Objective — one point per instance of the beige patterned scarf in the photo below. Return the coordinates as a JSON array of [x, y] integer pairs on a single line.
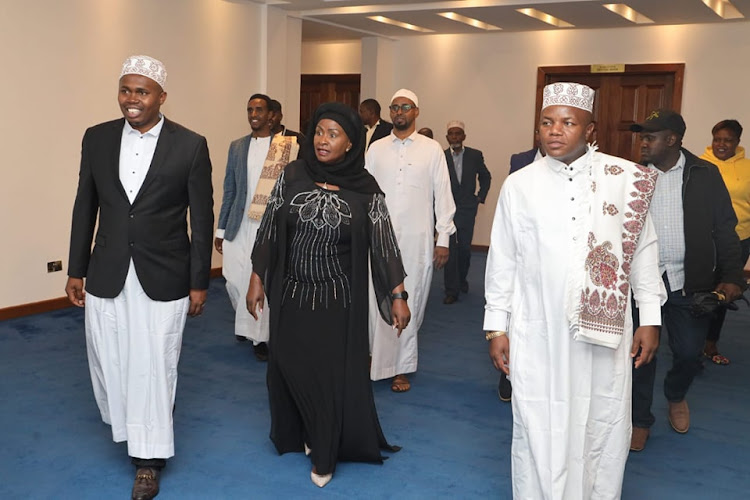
[[283, 149], [621, 193]]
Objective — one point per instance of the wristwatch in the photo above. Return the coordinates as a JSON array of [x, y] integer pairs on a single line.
[[400, 295]]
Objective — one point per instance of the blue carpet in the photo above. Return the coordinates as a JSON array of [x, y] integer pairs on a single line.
[[454, 431]]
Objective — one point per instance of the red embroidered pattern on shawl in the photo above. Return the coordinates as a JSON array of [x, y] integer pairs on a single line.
[[603, 305]]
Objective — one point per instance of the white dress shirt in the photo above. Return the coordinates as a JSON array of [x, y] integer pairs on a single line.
[[136, 153]]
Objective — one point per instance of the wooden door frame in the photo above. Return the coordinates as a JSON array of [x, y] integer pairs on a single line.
[[678, 69]]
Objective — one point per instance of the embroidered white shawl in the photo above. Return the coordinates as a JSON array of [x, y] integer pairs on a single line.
[[620, 196], [283, 149]]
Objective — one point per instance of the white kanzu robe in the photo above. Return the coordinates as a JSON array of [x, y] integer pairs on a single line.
[[236, 265], [571, 400], [414, 176], [133, 342]]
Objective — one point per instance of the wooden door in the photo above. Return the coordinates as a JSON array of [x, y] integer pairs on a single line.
[[317, 89], [621, 99]]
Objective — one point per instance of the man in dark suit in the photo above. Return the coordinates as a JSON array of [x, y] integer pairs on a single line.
[[145, 274], [376, 128], [276, 117], [520, 160], [466, 166]]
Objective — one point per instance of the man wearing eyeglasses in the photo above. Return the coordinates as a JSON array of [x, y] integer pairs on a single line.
[[412, 172]]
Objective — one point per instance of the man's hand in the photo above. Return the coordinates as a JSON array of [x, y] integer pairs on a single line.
[[75, 292], [730, 291], [219, 245], [255, 296], [499, 349], [400, 315], [645, 338], [440, 257], [197, 301]]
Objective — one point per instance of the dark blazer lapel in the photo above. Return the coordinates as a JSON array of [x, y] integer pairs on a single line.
[[451, 168], [114, 154], [469, 171], [241, 172], [163, 145]]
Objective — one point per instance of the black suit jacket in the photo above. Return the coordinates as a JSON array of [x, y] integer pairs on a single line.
[[300, 139], [520, 160], [465, 194], [382, 129], [153, 230]]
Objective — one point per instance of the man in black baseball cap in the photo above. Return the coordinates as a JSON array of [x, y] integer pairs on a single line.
[[661, 119], [699, 251]]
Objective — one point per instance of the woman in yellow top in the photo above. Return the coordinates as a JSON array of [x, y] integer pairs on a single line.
[[726, 153]]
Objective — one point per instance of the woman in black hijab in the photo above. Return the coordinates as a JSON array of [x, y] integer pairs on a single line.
[[325, 216]]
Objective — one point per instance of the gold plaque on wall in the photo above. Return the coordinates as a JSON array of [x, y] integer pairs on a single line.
[[608, 68]]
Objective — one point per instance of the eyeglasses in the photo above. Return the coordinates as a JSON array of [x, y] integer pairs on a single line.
[[403, 107]]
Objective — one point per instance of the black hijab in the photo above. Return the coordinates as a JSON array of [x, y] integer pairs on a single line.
[[349, 173]]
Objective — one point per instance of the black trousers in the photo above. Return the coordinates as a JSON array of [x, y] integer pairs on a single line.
[[459, 258], [686, 336], [714, 331], [152, 463]]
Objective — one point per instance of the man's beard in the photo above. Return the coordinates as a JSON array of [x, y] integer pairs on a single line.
[[404, 126]]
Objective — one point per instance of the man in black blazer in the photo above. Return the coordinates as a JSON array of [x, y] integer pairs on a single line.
[[375, 128], [140, 175], [466, 166], [276, 117], [520, 160]]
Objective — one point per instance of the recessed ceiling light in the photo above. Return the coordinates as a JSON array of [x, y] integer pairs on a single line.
[[546, 18], [724, 9], [393, 22], [628, 13], [468, 20]]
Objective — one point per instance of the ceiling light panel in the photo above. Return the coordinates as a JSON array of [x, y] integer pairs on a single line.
[[468, 20], [393, 22], [628, 13], [724, 9], [545, 18]]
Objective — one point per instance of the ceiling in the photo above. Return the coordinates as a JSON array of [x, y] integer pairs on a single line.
[[328, 20]]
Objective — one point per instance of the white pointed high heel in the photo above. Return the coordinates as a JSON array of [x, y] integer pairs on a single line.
[[307, 450], [319, 480]]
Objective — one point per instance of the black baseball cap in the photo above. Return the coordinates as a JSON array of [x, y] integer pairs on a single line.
[[661, 119]]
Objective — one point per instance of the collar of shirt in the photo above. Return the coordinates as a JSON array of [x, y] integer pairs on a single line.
[[458, 153], [368, 127], [411, 138], [153, 131], [678, 167], [576, 166]]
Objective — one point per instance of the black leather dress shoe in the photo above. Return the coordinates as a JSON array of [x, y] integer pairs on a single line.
[[146, 485], [261, 351], [449, 299], [504, 389], [240, 338]]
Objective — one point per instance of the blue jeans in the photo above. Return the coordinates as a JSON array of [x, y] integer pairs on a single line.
[[686, 335]]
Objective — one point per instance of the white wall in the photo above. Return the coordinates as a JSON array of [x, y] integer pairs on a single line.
[[332, 58], [61, 65], [489, 81]]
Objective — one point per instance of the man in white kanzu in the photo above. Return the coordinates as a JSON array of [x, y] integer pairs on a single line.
[[413, 174], [235, 235], [571, 238], [139, 179]]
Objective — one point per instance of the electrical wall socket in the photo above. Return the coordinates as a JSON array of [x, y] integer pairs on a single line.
[[54, 266]]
